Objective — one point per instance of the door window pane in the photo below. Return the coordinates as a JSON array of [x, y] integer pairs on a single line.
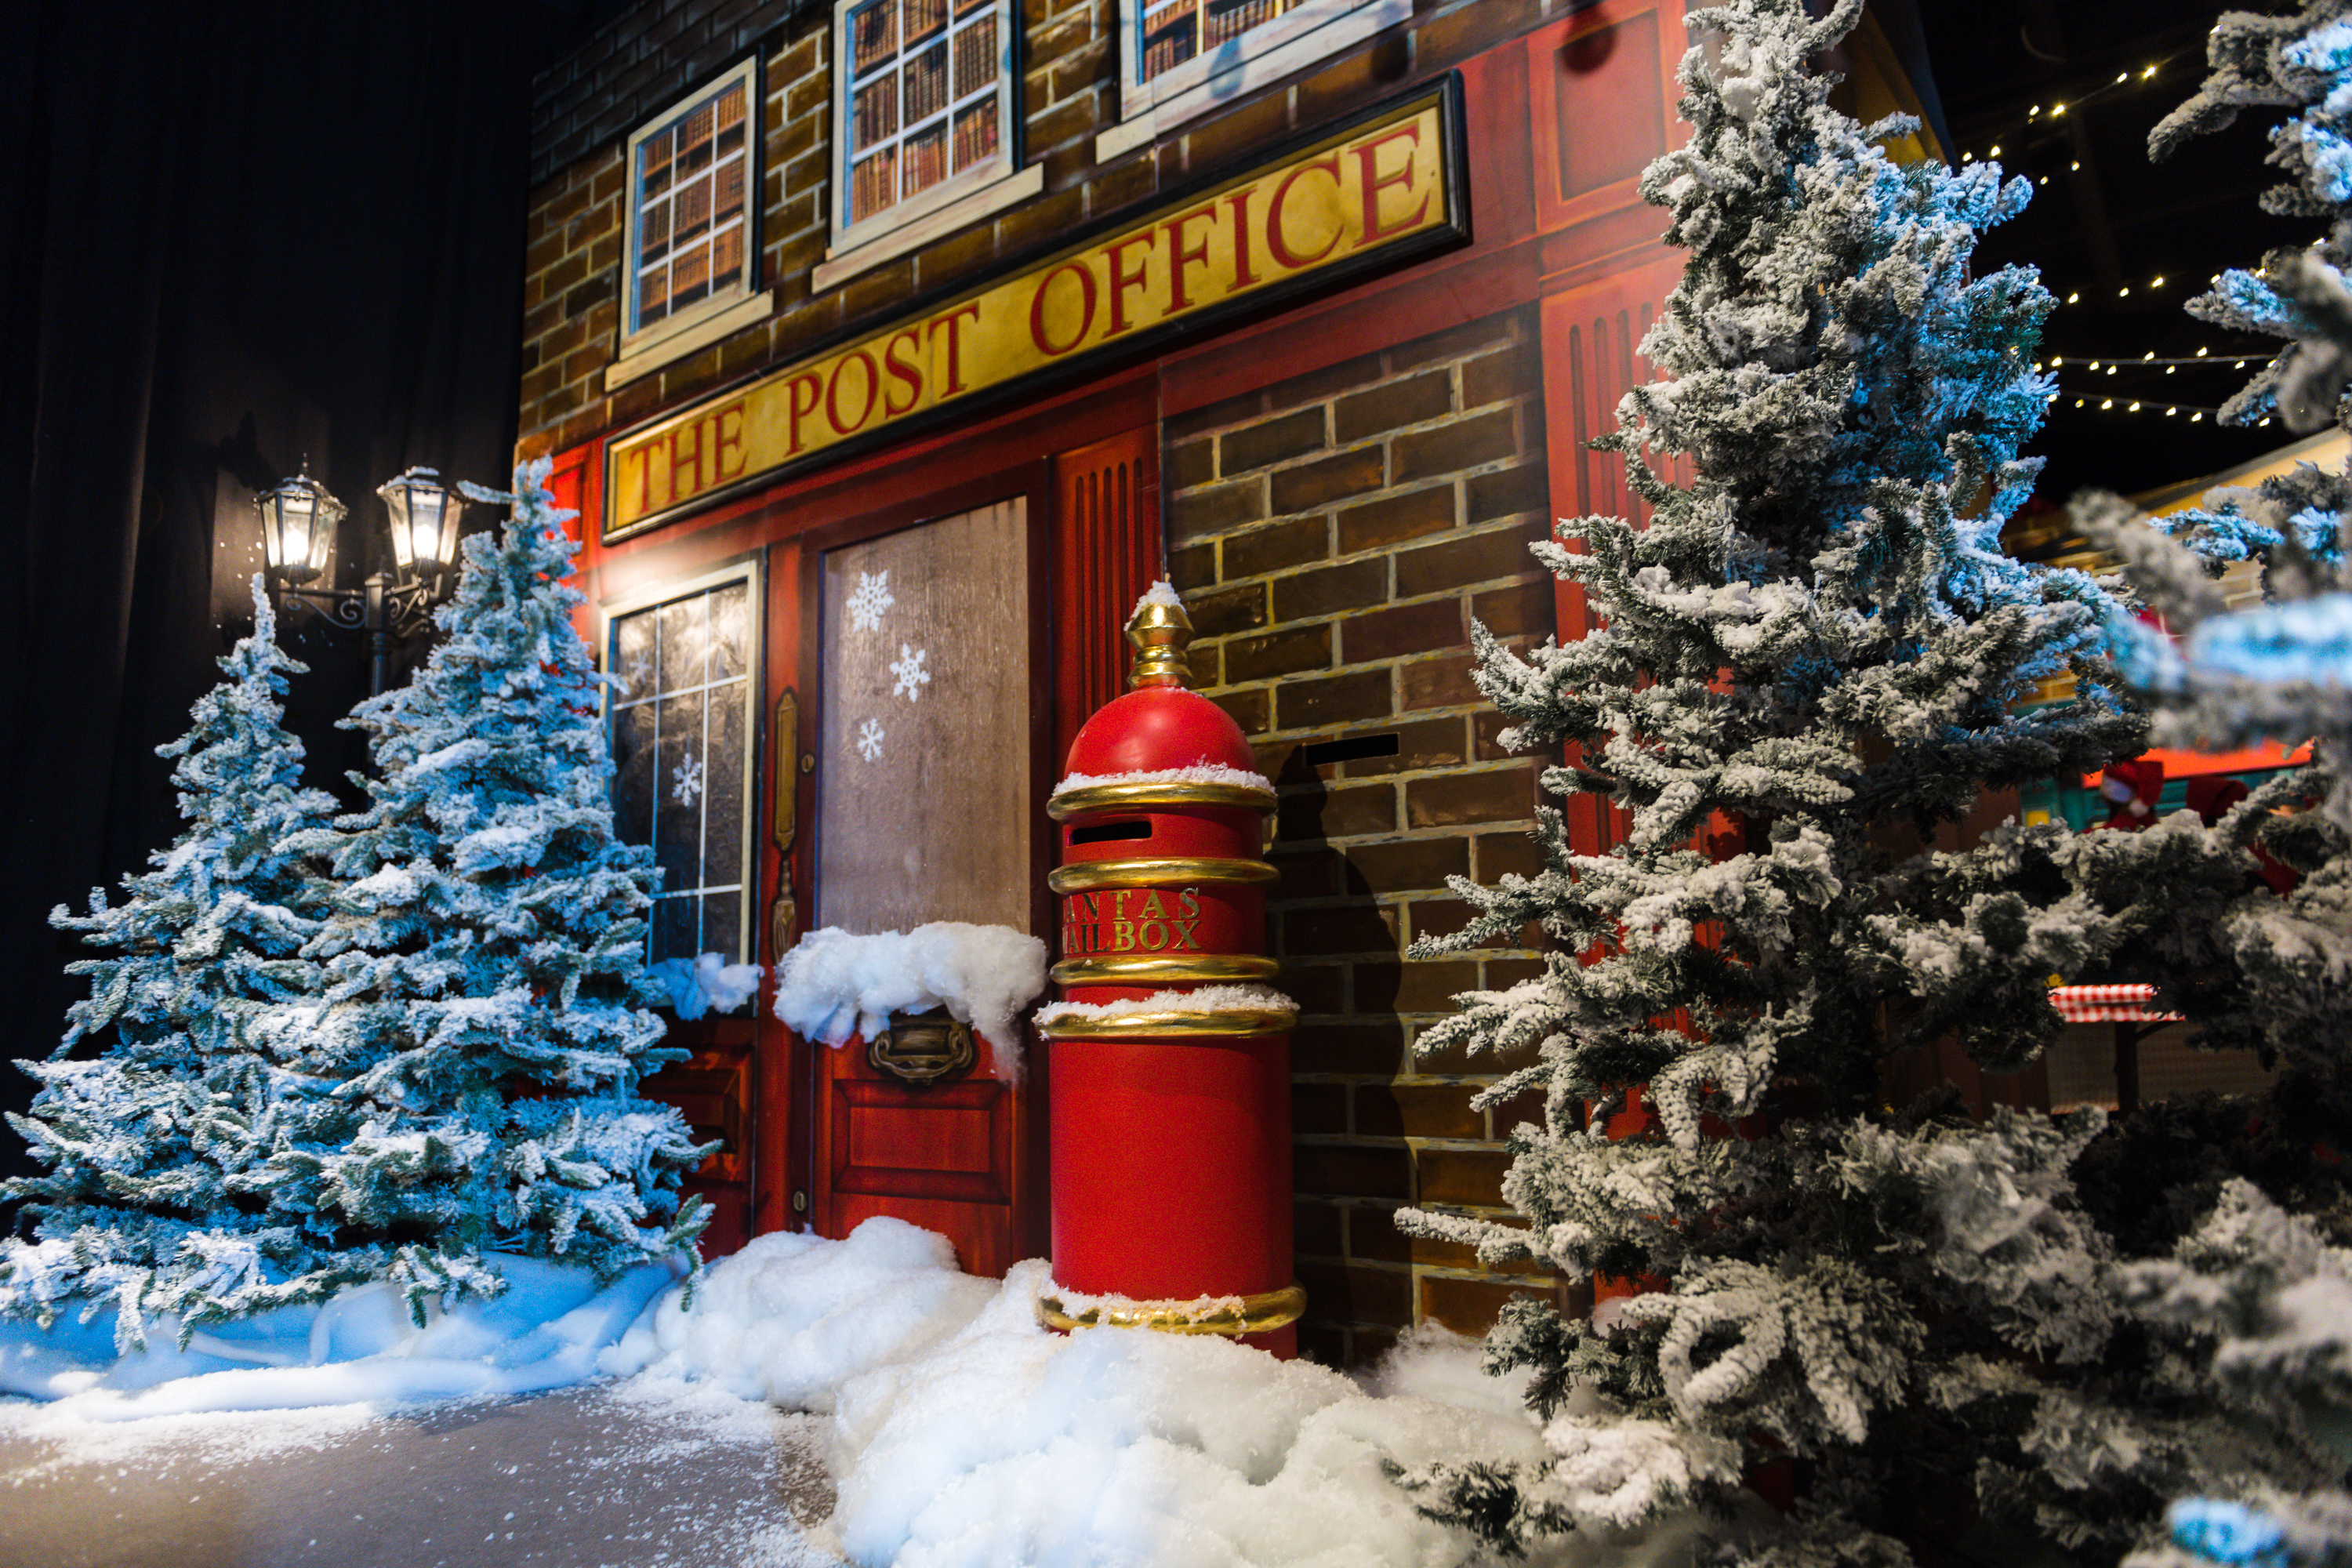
[[923, 774], [681, 751]]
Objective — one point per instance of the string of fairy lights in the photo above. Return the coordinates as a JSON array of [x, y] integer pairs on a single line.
[[2046, 123]]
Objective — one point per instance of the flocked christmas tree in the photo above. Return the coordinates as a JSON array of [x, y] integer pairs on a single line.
[[1819, 643], [160, 1198], [485, 1008], [2246, 1199]]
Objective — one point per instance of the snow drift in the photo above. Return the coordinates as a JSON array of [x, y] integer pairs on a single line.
[[545, 1331]]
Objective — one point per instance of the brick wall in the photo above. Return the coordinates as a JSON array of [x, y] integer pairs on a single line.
[[585, 107], [1333, 533], [635, 64]]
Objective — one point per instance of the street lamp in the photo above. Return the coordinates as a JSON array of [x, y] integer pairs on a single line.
[[298, 531]]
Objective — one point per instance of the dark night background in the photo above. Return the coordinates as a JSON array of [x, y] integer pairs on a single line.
[[233, 236]]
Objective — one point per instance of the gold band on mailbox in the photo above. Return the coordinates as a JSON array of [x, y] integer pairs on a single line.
[[1256, 1314], [1206, 968], [1086, 875], [1140, 795], [1173, 1023]]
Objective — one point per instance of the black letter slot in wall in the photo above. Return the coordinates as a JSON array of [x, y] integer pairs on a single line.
[[1349, 748], [1102, 832]]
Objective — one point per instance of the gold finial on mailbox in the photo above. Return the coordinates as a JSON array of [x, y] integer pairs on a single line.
[[1160, 631]]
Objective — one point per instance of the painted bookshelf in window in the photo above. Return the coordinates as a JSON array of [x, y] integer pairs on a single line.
[[925, 95], [692, 239], [1182, 58]]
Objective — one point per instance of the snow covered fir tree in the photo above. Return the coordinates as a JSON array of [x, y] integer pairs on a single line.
[[484, 1010], [2252, 1289], [1817, 652], [159, 1198]]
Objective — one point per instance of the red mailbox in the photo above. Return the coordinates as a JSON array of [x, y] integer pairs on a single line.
[[1171, 1109]]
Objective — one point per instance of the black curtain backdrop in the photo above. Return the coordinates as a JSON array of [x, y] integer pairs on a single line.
[[232, 236]]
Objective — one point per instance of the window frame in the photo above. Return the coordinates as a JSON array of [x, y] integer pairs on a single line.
[[634, 341], [747, 571], [1006, 164], [1309, 31]]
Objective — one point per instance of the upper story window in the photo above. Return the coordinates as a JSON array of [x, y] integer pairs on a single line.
[[1183, 58], [923, 107], [691, 236]]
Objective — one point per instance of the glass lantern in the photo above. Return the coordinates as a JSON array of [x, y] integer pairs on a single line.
[[424, 523], [297, 526]]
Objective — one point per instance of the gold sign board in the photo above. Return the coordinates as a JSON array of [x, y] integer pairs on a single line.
[[1388, 186]]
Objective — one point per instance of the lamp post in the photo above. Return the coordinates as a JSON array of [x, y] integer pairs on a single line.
[[298, 530]]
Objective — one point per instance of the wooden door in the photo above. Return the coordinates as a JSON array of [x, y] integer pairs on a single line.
[[929, 699]]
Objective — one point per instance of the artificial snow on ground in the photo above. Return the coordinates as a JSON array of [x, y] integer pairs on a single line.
[[956, 1433]]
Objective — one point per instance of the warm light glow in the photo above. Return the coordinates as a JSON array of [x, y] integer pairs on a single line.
[[424, 523], [297, 526]]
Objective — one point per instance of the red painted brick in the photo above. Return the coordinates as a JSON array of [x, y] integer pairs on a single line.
[[1470, 1178], [1351, 1169], [1468, 443], [1405, 864], [1357, 1046], [1420, 986], [1326, 479], [1358, 1295], [1396, 517], [1468, 1306], [1292, 544], [1418, 1111], [1498, 795], [1337, 814], [1524, 609], [1332, 930], [1413, 401], [1330, 590], [1333, 699], [1402, 629], [1475, 558], [1273, 440], [1290, 651], [1228, 610]]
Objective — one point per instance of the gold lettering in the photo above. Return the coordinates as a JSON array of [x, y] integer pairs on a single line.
[[1192, 898], [1184, 937], [1152, 908], [1153, 935], [1122, 936]]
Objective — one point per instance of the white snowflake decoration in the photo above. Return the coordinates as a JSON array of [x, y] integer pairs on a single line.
[[908, 668], [869, 740], [634, 675], [867, 604], [687, 782]]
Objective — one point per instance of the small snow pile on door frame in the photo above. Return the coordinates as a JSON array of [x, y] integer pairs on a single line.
[[834, 984]]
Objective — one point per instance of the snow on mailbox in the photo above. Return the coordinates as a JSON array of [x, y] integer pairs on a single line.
[[1171, 1110]]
